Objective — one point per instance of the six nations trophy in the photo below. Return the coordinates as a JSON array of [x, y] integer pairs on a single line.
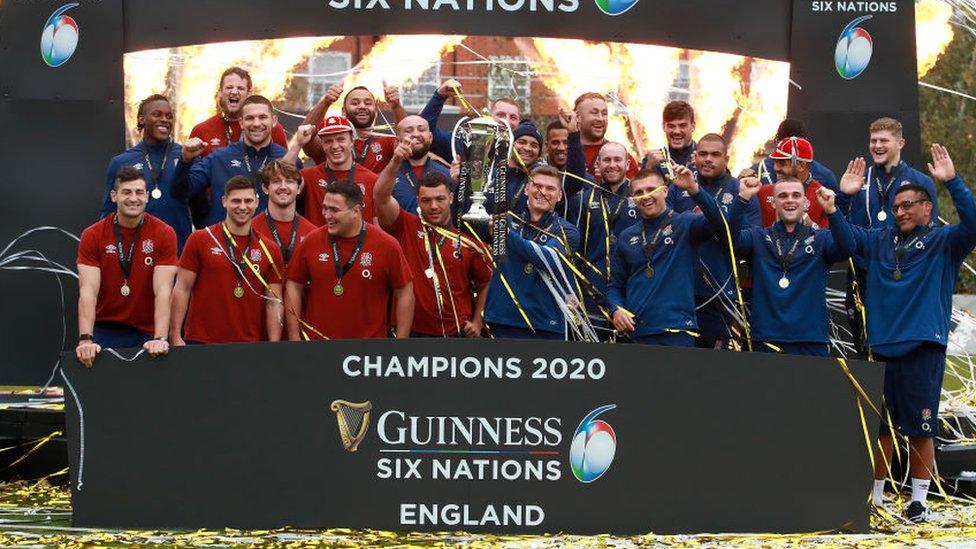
[[482, 146]]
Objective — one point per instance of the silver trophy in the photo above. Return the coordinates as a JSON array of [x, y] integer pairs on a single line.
[[485, 144]]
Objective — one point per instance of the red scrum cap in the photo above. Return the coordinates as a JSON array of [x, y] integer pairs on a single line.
[[335, 124], [793, 148]]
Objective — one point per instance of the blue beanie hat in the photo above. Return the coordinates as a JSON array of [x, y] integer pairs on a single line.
[[527, 127]]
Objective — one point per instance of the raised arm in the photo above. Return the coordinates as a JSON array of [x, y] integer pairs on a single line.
[[712, 222], [842, 243], [387, 208], [392, 96], [962, 236], [315, 116]]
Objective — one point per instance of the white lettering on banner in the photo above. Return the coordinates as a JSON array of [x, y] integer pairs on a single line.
[[823, 6], [473, 367], [549, 6], [396, 427], [510, 469], [452, 514]]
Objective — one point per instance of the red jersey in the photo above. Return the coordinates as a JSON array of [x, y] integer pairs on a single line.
[[361, 310], [214, 131], [215, 314], [155, 244], [590, 152], [315, 181], [815, 211], [463, 269], [260, 226], [372, 151]]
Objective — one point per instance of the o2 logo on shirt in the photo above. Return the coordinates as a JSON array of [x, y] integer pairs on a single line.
[[59, 38], [615, 7], [853, 51]]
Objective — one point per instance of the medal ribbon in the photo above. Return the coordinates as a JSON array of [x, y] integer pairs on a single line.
[[231, 248], [900, 248], [650, 247], [350, 177], [343, 268], [785, 259], [247, 161], [360, 157], [162, 168], [285, 251], [407, 171], [125, 259]]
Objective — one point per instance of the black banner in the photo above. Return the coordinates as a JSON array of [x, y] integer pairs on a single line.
[[852, 62], [502, 436]]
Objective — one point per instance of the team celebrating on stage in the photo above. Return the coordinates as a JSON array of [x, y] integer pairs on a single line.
[[672, 249]]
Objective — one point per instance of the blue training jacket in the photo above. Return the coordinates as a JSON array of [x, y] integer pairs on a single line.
[[404, 191], [530, 253], [213, 171], [714, 268], [917, 307], [798, 313], [174, 211], [441, 143], [666, 300], [593, 211]]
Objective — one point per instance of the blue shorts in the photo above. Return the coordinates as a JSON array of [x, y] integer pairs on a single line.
[[118, 336], [912, 388], [797, 348], [667, 339], [500, 331]]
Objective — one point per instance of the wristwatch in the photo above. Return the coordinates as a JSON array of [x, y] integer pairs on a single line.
[[84, 337], [161, 338]]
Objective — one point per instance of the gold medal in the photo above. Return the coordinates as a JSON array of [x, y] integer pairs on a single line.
[[338, 289], [882, 215], [649, 272], [125, 290], [528, 268], [156, 193], [784, 282], [238, 292], [897, 274]]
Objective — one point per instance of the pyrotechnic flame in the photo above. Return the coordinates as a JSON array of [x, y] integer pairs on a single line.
[[647, 76], [399, 60], [763, 107], [713, 80], [933, 33], [193, 81]]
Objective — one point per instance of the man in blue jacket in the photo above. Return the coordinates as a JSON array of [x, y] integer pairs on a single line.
[[911, 273], [531, 293], [869, 205], [564, 151], [790, 267], [245, 157], [601, 212], [652, 274], [715, 287], [157, 157]]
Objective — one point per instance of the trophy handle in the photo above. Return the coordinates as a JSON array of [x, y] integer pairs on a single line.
[[454, 151]]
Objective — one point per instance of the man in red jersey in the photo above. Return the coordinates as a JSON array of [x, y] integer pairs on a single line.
[[126, 265], [447, 268], [592, 116], [224, 127], [280, 223], [336, 137], [792, 159], [347, 272], [226, 288], [370, 149]]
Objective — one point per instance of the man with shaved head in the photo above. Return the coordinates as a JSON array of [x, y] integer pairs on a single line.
[[790, 266], [415, 130], [602, 212], [715, 287]]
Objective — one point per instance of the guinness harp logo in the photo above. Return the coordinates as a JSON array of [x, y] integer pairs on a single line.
[[353, 420]]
